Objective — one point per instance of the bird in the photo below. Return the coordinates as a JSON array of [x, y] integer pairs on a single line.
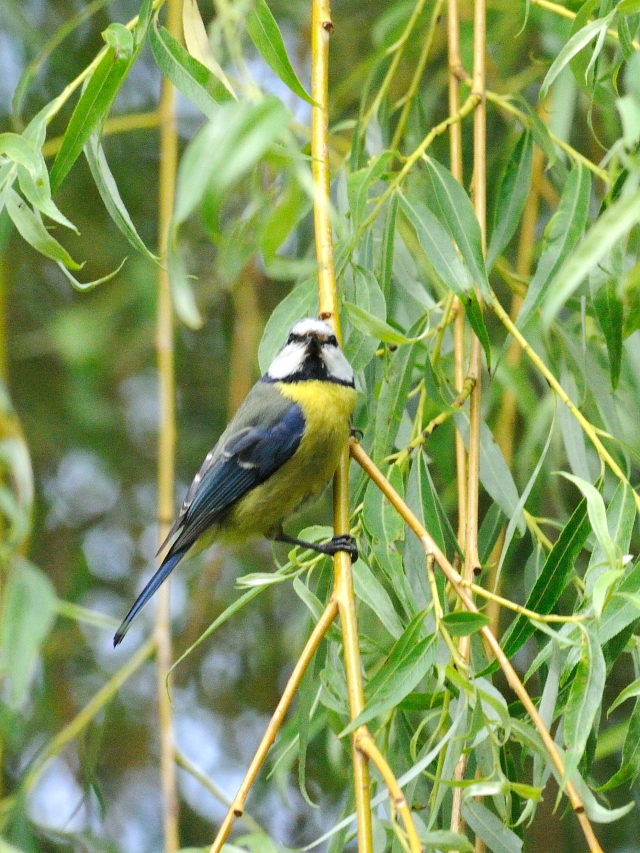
[[277, 455]]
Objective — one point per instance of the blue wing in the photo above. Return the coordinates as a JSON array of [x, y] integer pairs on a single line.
[[248, 457]]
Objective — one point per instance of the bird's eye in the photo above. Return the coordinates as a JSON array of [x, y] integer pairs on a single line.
[[332, 341]]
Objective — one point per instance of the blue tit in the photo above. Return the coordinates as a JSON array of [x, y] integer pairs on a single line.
[[278, 454]]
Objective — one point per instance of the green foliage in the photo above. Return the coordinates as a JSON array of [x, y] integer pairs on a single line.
[[558, 506]]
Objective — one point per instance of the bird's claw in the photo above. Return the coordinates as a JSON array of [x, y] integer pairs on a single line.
[[344, 542], [356, 433]]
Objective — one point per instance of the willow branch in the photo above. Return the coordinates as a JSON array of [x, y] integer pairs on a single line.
[[590, 431], [455, 579], [166, 438], [236, 809], [74, 728], [343, 592]]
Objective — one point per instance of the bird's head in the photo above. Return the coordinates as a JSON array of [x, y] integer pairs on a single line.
[[311, 352]]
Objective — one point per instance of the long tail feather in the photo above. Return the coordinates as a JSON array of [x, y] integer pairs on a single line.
[[160, 576]]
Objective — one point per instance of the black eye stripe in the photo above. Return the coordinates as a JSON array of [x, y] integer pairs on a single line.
[[303, 339]]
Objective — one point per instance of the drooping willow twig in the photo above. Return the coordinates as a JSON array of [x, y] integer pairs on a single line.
[[457, 582]]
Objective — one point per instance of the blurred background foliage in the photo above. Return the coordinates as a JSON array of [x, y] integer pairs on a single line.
[[80, 409]]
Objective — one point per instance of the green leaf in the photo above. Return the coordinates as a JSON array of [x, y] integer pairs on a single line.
[[188, 75], [488, 826], [197, 41], [375, 328], [110, 195], [409, 661], [266, 35], [462, 624], [225, 149], [27, 618], [610, 313], [31, 228], [552, 580], [631, 691], [447, 264], [621, 516], [89, 285], [512, 196], [598, 518], [630, 764], [443, 839], [301, 302], [182, 292], [449, 201], [91, 110], [613, 225], [560, 236], [585, 698], [360, 344], [359, 183], [388, 245], [118, 37], [391, 401], [576, 43], [369, 589]]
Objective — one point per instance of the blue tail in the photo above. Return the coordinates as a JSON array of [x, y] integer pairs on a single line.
[[160, 576]]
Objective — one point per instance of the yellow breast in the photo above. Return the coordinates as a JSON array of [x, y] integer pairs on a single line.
[[328, 408]]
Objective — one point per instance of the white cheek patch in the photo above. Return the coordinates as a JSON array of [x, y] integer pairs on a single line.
[[289, 361], [337, 365]]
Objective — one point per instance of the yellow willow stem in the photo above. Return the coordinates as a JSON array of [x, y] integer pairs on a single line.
[[237, 807], [114, 124], [590, 431], [166, 438], [456, 580], [406, 101], [397, 49], [73, 729], [456, 71], [366, 744], [343, 593]]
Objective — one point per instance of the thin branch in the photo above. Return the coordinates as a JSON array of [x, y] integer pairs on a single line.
[[587, 426], [343, 592], [366, 744], [74, 728], [237, 806], [166, 437], [432, 549]]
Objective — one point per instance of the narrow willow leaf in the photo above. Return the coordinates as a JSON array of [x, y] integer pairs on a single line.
[[488, 826], [552, 580], [443, 839], [585, 698], [37, 191], [380, 518], [91, 110], [89, 285], [391, 401], [575, 44], [374, 327], [182, 293], [621, 516], [302, 301], [443, 256], [388, 245], [28, 616], [631, 691], [31, 228], [612, 226], [517, 515], [560, 237], [463, 624], [110, 195], [610, 313], [630, 764], [410, 659], [598, 518], [620, 612], [266, 35], [225, 149], [512, 196], [191, 77], [360, 344], [449, 201], [359, 183], [369, 589], [197, 41], [15, 147]]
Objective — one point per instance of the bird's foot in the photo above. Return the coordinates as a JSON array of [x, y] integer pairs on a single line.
[[344, 542]]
